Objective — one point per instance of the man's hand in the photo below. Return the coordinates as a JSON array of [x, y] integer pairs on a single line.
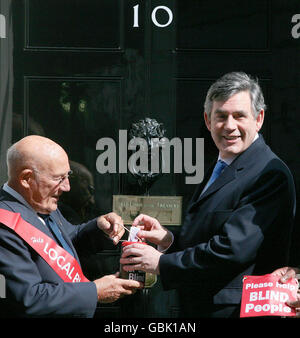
[[152, 231], [140, 257], [286, 273], [112, 225], [295, 304], [110, 288]]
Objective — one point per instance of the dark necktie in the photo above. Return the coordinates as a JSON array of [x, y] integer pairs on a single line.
[[220, 165], [53, 227]]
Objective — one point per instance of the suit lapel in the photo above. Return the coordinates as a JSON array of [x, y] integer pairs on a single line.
[[228, 174], [30, 216], [231, 172]]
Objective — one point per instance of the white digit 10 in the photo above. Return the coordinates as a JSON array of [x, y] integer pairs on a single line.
[[153, 16]]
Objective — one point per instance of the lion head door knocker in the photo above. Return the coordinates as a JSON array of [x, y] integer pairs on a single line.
[[146, 143]]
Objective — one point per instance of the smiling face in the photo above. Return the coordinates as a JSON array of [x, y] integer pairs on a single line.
[[233, 125]]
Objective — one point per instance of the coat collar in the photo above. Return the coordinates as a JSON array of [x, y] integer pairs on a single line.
[[30, 216], [237, 165], [227, 176], [27, 213]]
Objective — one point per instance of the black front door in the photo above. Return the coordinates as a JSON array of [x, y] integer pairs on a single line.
[[85, 69]]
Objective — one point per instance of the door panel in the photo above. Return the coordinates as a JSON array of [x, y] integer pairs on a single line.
[[74, 25], [203, 25]]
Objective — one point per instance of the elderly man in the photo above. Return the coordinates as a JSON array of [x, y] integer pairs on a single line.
[[48, 281], [239, 221]]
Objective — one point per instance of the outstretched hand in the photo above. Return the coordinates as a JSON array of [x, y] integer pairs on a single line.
[[110, 288], [112, 225], [141, 257], [153, 231]]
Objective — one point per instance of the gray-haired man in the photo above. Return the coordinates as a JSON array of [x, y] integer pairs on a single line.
[[240, 219]]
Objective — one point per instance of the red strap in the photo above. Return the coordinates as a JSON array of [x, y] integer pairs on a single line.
[[64, 264]]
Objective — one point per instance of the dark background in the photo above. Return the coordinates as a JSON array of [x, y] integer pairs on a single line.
[[83, 72]]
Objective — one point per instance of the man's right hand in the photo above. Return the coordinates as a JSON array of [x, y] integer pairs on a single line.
[[110, 288], [153, 231]]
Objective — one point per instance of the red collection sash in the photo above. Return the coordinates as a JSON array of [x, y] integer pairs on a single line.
[[64, 264]]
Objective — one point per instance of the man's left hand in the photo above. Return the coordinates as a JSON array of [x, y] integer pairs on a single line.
[[112, 225], [140, 257]]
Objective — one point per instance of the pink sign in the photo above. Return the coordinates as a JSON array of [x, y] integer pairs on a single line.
[[266, 296]]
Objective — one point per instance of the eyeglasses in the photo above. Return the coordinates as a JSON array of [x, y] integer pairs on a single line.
[[58, 180], [61, 179]]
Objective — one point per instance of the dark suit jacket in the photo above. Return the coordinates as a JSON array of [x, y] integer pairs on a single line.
[[240, 226], [32, 286]]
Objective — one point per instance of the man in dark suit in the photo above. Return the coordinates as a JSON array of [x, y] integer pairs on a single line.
[[240, 219], [38, 171]]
